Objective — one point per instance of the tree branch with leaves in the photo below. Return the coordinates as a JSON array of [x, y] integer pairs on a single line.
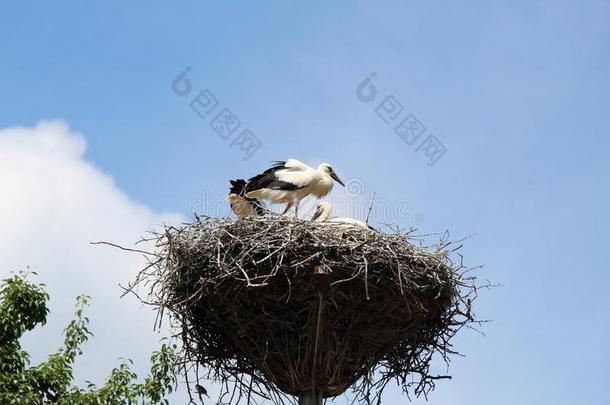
[[23, 306]]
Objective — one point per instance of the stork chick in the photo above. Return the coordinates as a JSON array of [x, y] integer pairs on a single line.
[[243, 206], [322, 214]]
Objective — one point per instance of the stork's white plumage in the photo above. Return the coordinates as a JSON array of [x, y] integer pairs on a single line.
[[290, 181], [322, 214]]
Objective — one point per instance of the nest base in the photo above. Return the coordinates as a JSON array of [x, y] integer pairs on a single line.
[[281, 306]]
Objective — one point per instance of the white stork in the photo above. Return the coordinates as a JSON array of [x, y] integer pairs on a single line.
[[243, 206], [290, 181], [322, 214]]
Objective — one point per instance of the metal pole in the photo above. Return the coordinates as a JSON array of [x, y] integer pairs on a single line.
[[310, 397], [313, 396]]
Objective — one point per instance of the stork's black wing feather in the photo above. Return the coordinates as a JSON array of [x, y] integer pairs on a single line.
[[277, 164], [267, 179], [271, 182]]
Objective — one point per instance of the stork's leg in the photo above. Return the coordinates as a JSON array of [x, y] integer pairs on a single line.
[[296, 209], [288, 206]]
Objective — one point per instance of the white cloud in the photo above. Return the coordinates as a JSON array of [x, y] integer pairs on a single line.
[[52, 204]]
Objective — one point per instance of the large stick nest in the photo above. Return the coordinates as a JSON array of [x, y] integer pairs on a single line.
[[274, 306]]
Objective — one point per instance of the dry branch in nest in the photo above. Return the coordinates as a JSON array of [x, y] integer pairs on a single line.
[[273, 306]]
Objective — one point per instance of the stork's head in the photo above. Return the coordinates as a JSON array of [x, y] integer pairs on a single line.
[[327, 169], [322, 212]]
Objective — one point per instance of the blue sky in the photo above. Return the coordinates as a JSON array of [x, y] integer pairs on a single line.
[[517, 92]]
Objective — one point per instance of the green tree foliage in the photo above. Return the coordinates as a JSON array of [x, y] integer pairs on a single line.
[[23, 306]]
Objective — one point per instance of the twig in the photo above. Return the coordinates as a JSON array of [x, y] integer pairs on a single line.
[[370, 208]]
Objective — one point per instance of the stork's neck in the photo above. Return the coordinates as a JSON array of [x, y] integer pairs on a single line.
[[322, 185], [323, 176]]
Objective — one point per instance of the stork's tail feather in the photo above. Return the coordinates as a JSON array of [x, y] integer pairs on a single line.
[[238, 187]]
